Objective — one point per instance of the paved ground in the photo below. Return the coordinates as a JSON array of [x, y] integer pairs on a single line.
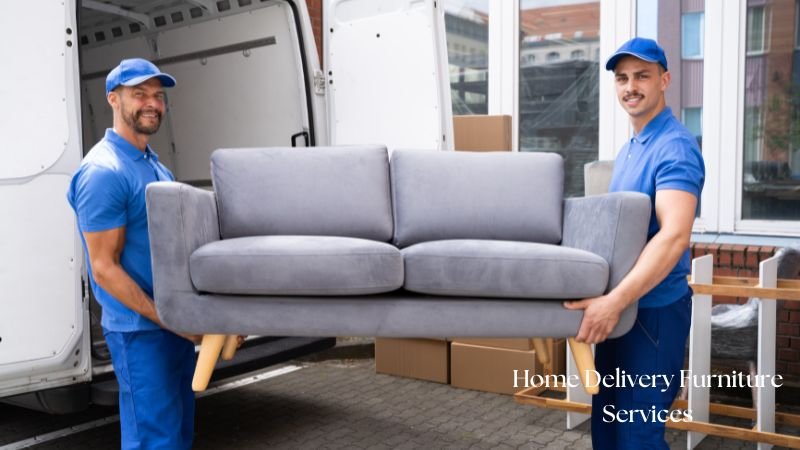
[[344, 404]]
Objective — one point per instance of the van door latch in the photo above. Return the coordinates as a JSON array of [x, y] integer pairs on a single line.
[[319, 82]]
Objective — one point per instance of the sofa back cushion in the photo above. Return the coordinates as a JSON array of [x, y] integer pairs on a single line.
[[327, 191], [465, 195]]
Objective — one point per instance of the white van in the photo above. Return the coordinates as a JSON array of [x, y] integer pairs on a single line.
[[248, 75]]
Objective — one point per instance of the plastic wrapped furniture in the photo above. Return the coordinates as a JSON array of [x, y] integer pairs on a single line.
[[338, 241]]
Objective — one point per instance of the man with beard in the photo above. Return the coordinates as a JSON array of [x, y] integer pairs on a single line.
[[153, 365], [662, 160]]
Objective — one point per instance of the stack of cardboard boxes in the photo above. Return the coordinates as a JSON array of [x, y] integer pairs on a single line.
[[480, 364]]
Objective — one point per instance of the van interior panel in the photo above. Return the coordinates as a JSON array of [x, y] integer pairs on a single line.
[[241, 79]]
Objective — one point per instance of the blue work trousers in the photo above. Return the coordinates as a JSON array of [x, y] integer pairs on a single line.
[[635, 417], [156, 404]]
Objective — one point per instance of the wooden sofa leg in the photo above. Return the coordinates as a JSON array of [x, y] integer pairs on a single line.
[[541, 351], [206, 360], [584, 360], [229, 348]]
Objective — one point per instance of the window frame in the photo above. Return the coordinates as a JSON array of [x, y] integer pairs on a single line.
[[504, 63], [741, 225], [735, 54], [764, 34], [724, 50], [725, 54]]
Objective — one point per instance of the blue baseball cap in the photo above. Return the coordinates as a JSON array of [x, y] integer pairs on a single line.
[[131, 72], [642, 48]]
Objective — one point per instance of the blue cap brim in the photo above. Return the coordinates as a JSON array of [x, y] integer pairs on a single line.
[[166, 80], [612, 62]]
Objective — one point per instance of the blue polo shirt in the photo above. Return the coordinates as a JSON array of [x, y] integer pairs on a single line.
[[106, 192], [664, 155]]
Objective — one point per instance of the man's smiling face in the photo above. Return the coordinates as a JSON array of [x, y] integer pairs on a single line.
[[142, 106], [640, 87]]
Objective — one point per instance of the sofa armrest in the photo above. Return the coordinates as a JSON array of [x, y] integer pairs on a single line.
[[613, 226], [180, 219]]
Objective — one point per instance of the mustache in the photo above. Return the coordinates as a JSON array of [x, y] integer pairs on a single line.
[[632, 95], [142, 112]]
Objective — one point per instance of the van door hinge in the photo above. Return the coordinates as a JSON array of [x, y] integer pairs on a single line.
[[319, 82]]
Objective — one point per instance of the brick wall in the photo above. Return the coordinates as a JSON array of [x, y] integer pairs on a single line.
[[742, 261], [315, 11]]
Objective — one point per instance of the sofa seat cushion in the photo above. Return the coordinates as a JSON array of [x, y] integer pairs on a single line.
[[503, 269], [296, 265]]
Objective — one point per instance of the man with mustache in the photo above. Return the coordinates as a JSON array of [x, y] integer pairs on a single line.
[[662, 160], [153, 365]]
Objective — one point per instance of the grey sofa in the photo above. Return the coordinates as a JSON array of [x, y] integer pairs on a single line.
[[341, 241]]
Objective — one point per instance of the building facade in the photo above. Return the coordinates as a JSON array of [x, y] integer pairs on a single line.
[[736, 87]]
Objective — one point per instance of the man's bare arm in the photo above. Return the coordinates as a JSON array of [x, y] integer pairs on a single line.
[[675, 212], [104, 249]]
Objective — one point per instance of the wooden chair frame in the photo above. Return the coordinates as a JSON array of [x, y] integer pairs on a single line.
[[768, 288]]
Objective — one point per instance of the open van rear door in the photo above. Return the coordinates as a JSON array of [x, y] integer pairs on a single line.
[[387, 72], [44, 338], [247, 75]]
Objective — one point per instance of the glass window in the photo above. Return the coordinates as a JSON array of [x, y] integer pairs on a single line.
[[756, 29], [693, 120], [467, 26], [558, 99], [771, 147], [692, 36]]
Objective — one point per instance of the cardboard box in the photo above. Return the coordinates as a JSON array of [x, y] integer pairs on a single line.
[[482, 133], [490, 369], [558, 356], [425, 359], [509, 343], [556, 348]]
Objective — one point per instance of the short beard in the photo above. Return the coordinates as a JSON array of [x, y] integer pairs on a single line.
[[132, 120]]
